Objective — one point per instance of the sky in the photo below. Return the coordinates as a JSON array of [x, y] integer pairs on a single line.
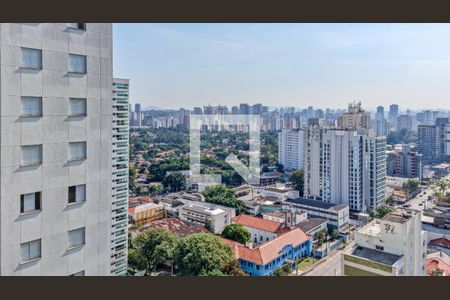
[[280, 65]]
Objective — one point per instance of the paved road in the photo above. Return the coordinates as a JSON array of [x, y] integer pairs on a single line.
[[332, 265]]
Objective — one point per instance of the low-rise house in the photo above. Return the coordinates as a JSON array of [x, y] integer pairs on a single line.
[[261, 230], [438, 264], [292, 217], [268, 257], [312, 225], [216, 217], [279, 192], [441, 244], [336, 214], [145, 213]]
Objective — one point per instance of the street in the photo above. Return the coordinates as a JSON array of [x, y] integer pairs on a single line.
[[332, 265]]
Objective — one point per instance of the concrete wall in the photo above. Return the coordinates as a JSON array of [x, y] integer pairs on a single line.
[[54, 130]]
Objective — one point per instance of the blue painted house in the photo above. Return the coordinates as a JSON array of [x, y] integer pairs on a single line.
[[266, 258]]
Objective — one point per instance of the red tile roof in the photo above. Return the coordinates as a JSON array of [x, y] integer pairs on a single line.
[[435, 263], [442, 242], [258, 223], [270, 250]]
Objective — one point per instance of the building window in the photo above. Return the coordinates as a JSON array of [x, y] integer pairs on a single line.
[[77, 151], [81, 273], [31, 107], [76, 237], [77, 193], [31, 155], [30, 250], [381, 248], [31, 58], [77, 107], [30, 202], [77, 64], [80, 26]]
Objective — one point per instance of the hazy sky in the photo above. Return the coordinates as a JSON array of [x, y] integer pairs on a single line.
[[324, 65]]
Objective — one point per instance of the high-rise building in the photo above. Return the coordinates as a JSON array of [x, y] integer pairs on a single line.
[[345, 167], [354, 118], [197, 111], [404, 122], [55, 148], [392, 116], [244, 109], [380, 121], [290, 148], [257, 109], [403, 162], [137, 115], [427, 142], [119, 209], [395, 245]]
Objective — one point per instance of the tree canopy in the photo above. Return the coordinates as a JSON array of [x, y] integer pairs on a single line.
[[202, 254], [174, 182], [236, 232], [297, 179], [222, 195], [156, 246]]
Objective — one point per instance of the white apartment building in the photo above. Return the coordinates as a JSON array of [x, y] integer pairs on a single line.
[[393, 246], [120, 141], [345, 167], [55, 149], [290, 148], [202, 213]]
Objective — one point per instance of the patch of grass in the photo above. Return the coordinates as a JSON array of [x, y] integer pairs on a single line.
[[305, 263]]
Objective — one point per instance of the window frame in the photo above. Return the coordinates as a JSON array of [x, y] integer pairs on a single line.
[[22, 164], [78, 158], [37, 203], [29, 258], [30, 66], [77, 27], [76, 231], [73, 99], [28, 98], [74, 197], [76, 71]]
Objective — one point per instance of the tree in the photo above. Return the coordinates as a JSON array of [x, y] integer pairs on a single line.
[[156, 246], [202, 254], [334, 233], [285, 270], [222, 195], [383, 211], [442, 185], [410, 186], [232, 268], [132, 172], [174, 182], [236, 232], [135, 260], [321, 237], [297, 179]]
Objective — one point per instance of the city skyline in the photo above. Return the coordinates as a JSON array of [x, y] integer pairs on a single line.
[[292, 64]]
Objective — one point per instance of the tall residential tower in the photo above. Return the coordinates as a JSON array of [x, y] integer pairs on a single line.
[[55, 149]]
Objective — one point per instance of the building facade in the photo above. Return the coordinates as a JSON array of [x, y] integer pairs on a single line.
[[55, 148], [345, 167], [290, 149], [120, 156], [403, 162], [393, 246]]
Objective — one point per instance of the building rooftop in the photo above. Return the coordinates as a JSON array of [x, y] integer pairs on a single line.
[[317, 203], [442, 242], [270, 250], [310, 224], [400, 215], [204, 208], [376, 256], [258, 223], [174, 225]]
